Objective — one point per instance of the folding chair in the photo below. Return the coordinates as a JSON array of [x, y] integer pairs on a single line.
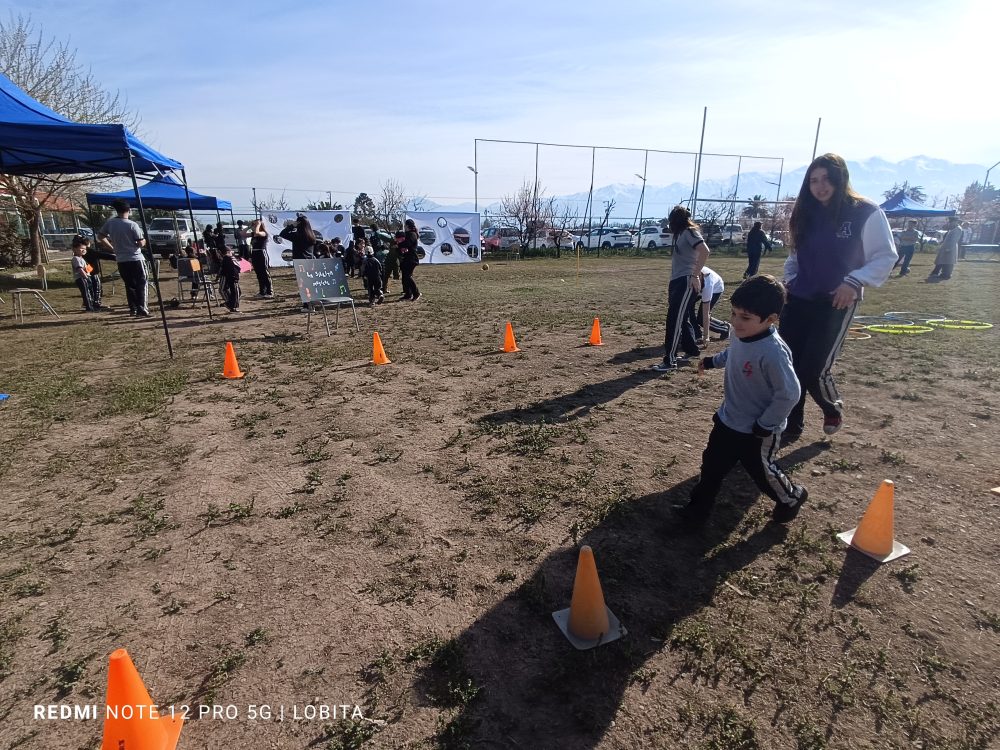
[[19, 303], [338, 301], [189, 270]]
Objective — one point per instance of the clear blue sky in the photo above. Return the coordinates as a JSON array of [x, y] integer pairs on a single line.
[[341, 96]]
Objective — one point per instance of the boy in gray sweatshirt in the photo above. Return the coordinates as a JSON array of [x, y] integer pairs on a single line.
[[760, 391]]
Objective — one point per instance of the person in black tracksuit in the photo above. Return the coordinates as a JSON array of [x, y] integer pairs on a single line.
[[258, 257], [229, 276], [303, 240], [371, 271], [408, 260], [757, 243], [93, 255]]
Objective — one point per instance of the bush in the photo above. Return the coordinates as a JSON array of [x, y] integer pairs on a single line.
[[14, 249]]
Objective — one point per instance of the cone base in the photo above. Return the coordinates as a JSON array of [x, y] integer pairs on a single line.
[[172, 726], [505, 350], [616, 631], [595, 343], [237, 376], [898, 550], [379, 364]]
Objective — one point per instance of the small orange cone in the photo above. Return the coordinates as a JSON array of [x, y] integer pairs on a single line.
[[595, 334], [378, 353], [129, 724], [588, 622], [874, 535], [509, 345], [231, 369]]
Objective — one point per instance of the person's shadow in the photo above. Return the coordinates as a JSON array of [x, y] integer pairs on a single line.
[[536, 690], [573, 405]]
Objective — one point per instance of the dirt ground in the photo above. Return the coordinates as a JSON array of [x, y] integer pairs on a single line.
[[329, 533]]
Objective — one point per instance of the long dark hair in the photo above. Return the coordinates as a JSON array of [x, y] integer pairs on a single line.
[[306, 228], [679, 220], [807, 208], [410, 225]]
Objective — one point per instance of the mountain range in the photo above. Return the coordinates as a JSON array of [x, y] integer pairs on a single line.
[[939, 179]]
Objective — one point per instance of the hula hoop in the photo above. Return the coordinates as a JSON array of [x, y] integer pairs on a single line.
[[960, 325], [917, 317], [857, 334], [880, 320], [899, 328]]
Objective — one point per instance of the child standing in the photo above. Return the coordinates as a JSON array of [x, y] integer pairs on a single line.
[[229, 275], [760, 391], [81, 275], [382, 256], [371, 270]]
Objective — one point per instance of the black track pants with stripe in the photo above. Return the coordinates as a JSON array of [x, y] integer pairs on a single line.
[[678, 328], [725, 448], [815, 332]]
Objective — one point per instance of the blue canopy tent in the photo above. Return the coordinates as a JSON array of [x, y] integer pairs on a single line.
[[904, 207], [163, 192], [35, 140]]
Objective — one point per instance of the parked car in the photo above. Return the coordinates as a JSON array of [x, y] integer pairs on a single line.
[[733, 234], [654, 237], [500, 238], [546, 238], [169, 236], [605, 238]]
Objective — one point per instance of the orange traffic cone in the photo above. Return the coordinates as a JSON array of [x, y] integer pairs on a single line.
[[873, 535], [231, 369], [595, 334], [378, 353], [588, 622], [509, 345], [129, 722]]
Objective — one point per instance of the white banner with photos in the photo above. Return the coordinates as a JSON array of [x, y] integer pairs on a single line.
[[447, 237], [326, 225]]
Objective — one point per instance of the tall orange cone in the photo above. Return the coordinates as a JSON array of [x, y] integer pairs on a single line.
[[874, 535], [231, 369], [588, 622], [509, 345], [378, 353], [129, 724], [595, 334]]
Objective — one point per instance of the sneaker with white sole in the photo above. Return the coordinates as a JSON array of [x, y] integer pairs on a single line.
[[832, 423]]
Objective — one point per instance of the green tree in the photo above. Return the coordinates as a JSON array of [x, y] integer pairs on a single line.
[[364, 207], [323, 206], [913, 192], [756, 208]]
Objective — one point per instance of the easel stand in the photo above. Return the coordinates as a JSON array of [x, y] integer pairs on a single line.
[[338, 301]]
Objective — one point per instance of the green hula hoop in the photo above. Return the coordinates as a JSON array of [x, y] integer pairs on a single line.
[[910, 328], [960, 325]]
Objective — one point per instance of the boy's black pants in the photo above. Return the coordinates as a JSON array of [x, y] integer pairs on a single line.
[[679, 331], [725, 448]]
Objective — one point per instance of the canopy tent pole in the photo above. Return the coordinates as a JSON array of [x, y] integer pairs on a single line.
[[152, 262], [194, 231]]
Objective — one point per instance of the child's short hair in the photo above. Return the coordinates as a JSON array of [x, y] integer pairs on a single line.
[[80, 241], [763, 295]]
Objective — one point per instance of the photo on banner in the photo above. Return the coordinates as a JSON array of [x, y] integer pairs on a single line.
[[447, 237], [320, 279], [326, 224]]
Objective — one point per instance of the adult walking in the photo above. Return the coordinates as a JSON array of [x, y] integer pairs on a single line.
[[242, 247], [907, 245], [124, 237], [947, 255], [259, 259], [689, 256], [842, 243], [757, 243], [408, 259]]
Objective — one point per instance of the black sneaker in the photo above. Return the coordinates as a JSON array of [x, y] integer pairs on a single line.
[[725, 334], [783, 512], [693, 515], [789, 436], [664, 366]]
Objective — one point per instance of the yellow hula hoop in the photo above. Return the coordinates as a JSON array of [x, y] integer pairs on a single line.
[[960, 325], [910, 328]]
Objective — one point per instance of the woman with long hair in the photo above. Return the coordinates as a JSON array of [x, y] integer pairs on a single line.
[[408, 259], [302, 237], [259, 259], [689, 256], [841, 244]]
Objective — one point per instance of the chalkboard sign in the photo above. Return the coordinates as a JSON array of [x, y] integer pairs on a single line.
[[320, 279]]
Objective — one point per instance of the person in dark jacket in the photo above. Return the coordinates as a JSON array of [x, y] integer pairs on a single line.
[[93, 256], [302, 237], [757, 243], [408, 260], [371, 271], [230, 278]]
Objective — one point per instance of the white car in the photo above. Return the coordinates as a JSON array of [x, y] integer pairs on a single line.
[[605, 238], [733, 234], [654, 237], [546, 238]]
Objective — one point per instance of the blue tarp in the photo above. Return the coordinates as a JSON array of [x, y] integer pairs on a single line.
[[163, 192], [36, 140], [901, 205]]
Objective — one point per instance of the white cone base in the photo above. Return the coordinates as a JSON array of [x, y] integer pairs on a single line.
[[616, 631], [898, 550]]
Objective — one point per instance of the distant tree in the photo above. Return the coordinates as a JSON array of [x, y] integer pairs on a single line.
[[416, 203], [364, 207], [915, 192], [270, 203], [323, 206], [519, 210], [390, 204], [756, 208], [47, 70]]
